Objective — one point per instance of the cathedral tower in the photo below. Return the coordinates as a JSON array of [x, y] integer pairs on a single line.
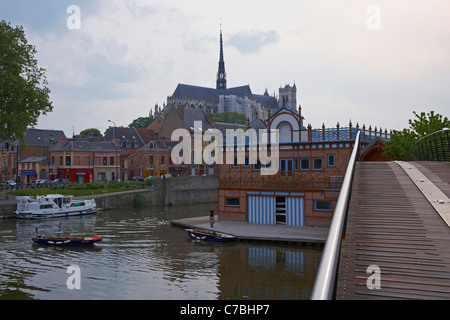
[[289, 95], [221, 75]]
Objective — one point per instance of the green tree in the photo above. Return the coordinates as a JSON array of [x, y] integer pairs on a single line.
[[24, 94], [424, 124], [142, 122], [230, 117], [90, 133]]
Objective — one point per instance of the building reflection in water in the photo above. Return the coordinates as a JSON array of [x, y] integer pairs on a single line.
[[267, 272]]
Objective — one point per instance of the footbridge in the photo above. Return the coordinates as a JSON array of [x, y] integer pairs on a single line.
[[390, 235]]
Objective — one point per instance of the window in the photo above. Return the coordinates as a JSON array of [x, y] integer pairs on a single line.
[[235, 162], [162, 160], [111, 161], [232, 202], [257, 165], [286, 167], [68, 161], [246, 162], [322, 205], [317, 164], [105, 161], [304, 164], [151, 159], [331, 162]]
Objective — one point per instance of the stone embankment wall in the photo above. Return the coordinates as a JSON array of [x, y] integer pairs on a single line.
[[162, 192]]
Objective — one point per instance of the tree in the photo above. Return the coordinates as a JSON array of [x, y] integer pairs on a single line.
[[230, 117], [90, 133], [424, 124], [142, 122], [24, 94]]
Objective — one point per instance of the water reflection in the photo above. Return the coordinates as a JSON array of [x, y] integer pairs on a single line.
[[143, 257]]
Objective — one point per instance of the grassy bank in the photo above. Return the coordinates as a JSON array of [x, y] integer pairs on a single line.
[[80, 190]]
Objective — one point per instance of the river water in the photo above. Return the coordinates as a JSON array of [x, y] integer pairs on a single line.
[[142, 256]]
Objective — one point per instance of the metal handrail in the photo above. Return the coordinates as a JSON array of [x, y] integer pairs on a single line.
[[422, 150], [324, 285]]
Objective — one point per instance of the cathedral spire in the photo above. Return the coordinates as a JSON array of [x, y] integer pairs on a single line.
[[221, 75]]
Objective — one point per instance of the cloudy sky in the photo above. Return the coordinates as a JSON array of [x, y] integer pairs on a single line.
[[371, 61]]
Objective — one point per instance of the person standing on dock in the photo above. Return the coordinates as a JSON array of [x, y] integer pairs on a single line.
[[211, 217]]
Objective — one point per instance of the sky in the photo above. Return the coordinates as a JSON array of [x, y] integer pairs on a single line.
[[373, 62]]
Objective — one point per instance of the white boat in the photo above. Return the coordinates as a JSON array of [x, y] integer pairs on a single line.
[[53, 206]]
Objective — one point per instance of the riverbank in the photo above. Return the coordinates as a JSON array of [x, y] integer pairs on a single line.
[[259, 232], [162, 192]]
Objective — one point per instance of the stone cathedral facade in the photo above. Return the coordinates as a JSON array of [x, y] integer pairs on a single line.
[[221, 98]]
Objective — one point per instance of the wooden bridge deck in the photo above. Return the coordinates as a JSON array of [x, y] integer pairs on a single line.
[[393, 226]]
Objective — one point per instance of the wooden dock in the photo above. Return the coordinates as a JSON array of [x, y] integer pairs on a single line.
[[260, 232], [393, 226]]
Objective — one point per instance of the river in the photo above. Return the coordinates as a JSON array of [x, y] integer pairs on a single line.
[[143, 257]]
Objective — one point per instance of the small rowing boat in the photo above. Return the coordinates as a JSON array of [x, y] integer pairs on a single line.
[[71, 240], [209, 235]]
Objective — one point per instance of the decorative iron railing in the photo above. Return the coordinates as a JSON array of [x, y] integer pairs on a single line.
[[433, 147]]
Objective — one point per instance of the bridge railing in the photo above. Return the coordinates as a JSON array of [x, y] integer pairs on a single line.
[[325, 283], [433, 147]]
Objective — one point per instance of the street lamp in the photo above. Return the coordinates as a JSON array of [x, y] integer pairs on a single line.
[[117, 151]]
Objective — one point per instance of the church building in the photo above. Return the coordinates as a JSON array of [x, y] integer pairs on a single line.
[[221, 98]]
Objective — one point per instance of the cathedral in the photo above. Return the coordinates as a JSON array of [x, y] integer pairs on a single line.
[[221, 98]]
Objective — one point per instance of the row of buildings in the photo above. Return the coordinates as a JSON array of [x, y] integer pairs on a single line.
[[302, 192]]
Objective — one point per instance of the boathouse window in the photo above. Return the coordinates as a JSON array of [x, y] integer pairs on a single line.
[[257, 165], [235, 162], [286, 167], [331, 162], [111, 161], [322, 205], [246, 162], [317, 164], [304, 164], [232, 202], [68, 160]]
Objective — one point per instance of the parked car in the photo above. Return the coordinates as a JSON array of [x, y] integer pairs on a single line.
[[10, 183], [60, 182], [137, 179], [42, 183], [151, 177]]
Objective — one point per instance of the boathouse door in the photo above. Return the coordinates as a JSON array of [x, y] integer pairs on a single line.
[[261, 209], [295, 211], [267, 210]]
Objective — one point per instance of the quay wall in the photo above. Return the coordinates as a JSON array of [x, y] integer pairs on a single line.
[[162, 192]]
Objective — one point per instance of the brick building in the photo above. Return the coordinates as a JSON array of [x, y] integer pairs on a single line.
[[304, 190], [84, 160]]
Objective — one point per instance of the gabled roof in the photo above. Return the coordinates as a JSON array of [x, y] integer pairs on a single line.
[[124, 135], [82, 145], [191, 116], [42, 137]]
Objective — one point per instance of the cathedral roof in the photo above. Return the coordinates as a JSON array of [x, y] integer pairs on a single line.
[[212, 94], [195, 92]]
